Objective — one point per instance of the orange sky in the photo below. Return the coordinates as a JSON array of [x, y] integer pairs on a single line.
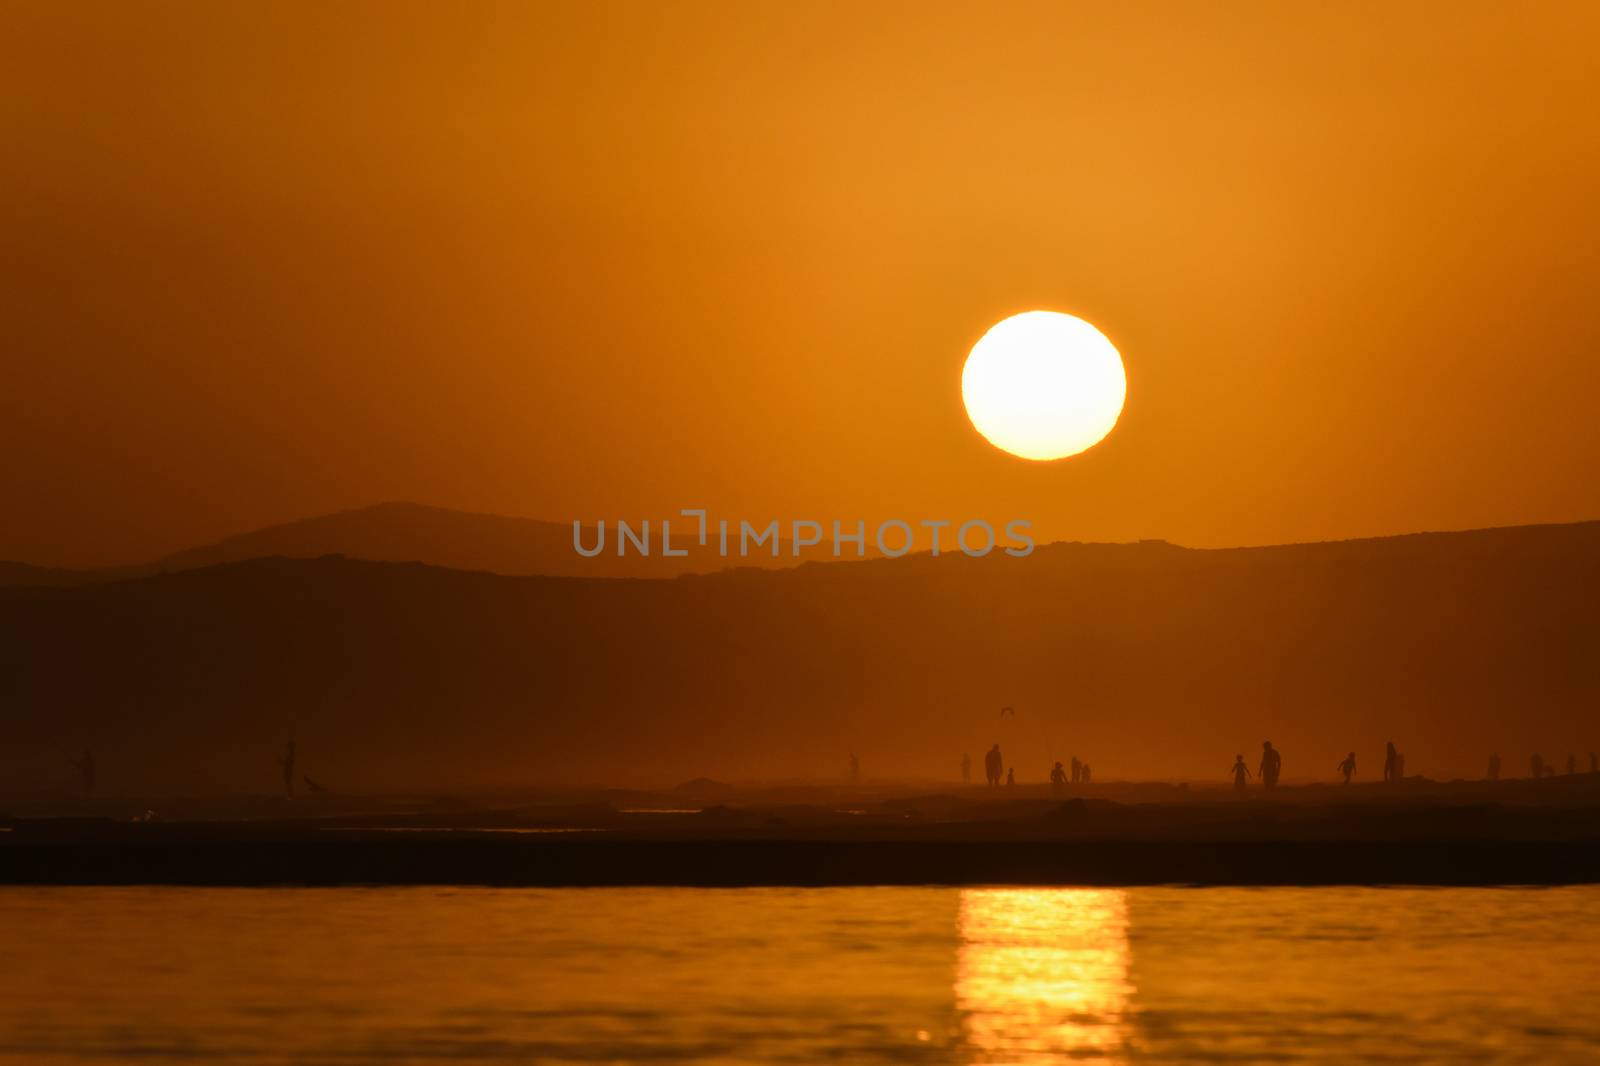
[[263, 261]]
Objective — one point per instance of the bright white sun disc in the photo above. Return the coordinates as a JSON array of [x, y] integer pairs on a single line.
[[1044, 385]]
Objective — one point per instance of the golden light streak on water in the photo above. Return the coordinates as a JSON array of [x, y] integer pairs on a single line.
[[1043, 973]]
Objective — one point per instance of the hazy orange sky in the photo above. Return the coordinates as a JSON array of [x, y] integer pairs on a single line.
[[264, 261]]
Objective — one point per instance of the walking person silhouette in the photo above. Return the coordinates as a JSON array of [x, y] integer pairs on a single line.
[[1271, 764], [1241, 773], [1348, 767]]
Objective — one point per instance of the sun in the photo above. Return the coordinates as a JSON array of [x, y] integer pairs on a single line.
[[1044, 385]]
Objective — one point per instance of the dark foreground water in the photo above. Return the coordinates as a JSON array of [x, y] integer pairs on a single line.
[[344, 976]]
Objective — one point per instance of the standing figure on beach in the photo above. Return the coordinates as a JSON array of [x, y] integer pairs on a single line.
[[1077, 770], [1241, 773], [1271, 764], [1348, 767], [993, 763], [966, 769], [1085, 775], [85, 767], [286, 764], [1536, 764], [1011, 777], [1058, 778], [855, 768], [1494, 767], [1389, 764]]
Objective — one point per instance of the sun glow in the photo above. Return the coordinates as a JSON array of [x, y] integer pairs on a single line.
[[1044, 385]]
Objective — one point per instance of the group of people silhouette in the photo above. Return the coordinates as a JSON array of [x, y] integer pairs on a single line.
[[1081, 775], [1268, 771], [994, 769], [1270, 768], [1539, 768]]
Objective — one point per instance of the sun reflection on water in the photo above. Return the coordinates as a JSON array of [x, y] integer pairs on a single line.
[[1043, 973]]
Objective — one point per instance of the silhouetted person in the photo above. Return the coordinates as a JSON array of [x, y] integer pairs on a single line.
[[966, 769], [85, 768], [286, 762], [1348, 767], [1494, 767], [1077, 770], [1241, 773], [993, 765], [1011, 777], [855, 768], [1058, 778], [1389, 757], [1572, 764], [1536, 764], [1271, 764], [1086, 773]]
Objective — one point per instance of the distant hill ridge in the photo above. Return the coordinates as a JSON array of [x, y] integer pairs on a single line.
[[25, 575], [459, 540], [438, 536], [464, 540]]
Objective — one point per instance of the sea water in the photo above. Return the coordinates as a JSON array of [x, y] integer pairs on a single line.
[[904, 975]]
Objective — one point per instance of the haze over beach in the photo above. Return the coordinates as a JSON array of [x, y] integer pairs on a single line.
[[740, 533]]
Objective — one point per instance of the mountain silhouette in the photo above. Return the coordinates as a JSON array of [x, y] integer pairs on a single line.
[[1148, 660], [460, 540], [26, 575]]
